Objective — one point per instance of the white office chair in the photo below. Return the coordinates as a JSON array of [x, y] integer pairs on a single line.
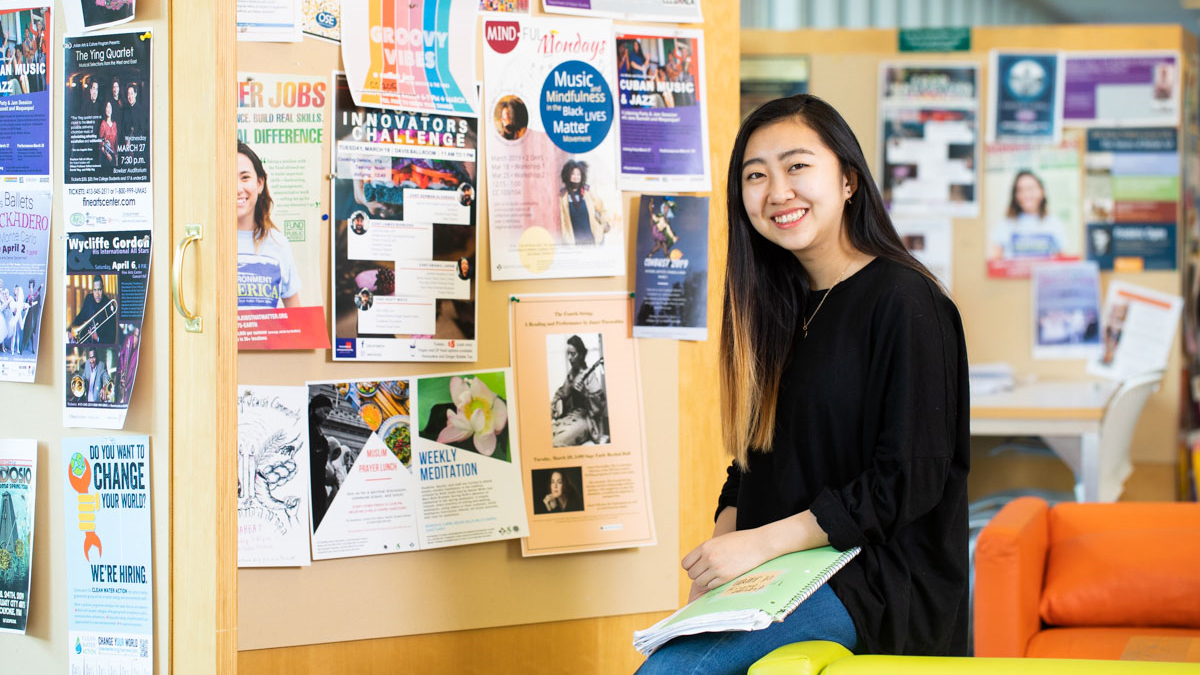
[[1116, 433]]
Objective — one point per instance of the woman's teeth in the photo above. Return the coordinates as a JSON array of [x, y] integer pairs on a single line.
[[790, 217]]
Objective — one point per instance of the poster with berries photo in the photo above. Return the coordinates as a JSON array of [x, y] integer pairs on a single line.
[[89, 15]]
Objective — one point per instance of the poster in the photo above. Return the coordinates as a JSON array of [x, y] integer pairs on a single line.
[[415, 463], [663, 110], [1033, 207], [25, 98], [105, 297], [1131, 198], [107, 182], [18, 498], [110, 571], [269, 21], [281, 122], [586, 486], [766, 78], [930, 147], [931, 241], [554, 208], [322, 19], [673, 11], [1131, 88], [273, 476], [88, 15], [404, 234], [24, 250], [672, 268], [418, 56], [504, 6], [1066, 310], [1027, 97], [1138, 326]]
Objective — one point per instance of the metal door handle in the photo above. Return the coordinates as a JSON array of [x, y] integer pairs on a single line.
[[192, 233]]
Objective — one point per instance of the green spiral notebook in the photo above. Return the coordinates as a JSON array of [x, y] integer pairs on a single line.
[[755, 600]]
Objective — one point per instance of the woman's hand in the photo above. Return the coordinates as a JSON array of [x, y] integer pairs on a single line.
[[724, 558]]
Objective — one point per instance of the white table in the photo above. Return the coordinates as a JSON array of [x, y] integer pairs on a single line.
[[1067, 414]]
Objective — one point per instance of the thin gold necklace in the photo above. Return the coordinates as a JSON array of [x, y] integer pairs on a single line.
[[806, 322]]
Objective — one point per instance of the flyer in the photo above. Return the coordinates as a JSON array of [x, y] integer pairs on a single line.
[[504, 6], [671, 300], [931, 241], [18, 498], [105, 297], [1027, 97], [269, 21], [272, 476], [930, 147], [404, 234], [673, 11], [1066, 310], [766, 78], [663, 110], [106, 529], [24, 251], [587, 486], [415, 463], [25, 95], [1131, 197], [418, 56], [322, 19], [281, 128], [1033, 213], [1137, 328], [107, 181], [554, 208], [1130, 88], [88, 15]]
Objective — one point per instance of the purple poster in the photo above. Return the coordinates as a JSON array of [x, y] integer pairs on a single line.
[[1121, 89], [24, 245], [25, 93], [664, 121]]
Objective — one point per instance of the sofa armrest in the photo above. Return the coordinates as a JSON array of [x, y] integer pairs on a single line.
[[799, 658], [1010, 565]]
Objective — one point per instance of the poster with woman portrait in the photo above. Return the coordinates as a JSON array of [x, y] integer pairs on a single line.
[[554, 208], [663, 110], [281, 130], [25, 93], [1033, 206], [107, 181], [404, 234], [576, 366]]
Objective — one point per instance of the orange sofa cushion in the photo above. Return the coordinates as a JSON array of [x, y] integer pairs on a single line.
[[1172, 644], [1144, 576]]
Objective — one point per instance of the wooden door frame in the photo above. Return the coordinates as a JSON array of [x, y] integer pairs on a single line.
[[203, 607]]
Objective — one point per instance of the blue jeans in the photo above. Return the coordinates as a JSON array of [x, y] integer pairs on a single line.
[[821, 617]]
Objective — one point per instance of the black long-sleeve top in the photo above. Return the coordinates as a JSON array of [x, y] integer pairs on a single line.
[[872, 434]]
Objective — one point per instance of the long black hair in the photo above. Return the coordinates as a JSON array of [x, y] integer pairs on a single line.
[[262, 208], [765, 285]]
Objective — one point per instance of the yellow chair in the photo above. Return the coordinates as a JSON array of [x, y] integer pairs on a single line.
[[830, 658]]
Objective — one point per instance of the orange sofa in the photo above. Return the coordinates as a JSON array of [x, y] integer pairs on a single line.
[[1089, 581]]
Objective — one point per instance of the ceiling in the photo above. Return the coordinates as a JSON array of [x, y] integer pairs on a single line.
[[1124, 11]]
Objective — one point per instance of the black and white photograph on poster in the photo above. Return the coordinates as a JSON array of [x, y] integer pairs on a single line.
[[106, 164], [89, 15], [404, 222], [104, 300], [558, 490], [579, 404], [337, 434]]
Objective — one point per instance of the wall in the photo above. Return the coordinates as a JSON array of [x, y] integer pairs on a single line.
[[844, 67], [35, 410]]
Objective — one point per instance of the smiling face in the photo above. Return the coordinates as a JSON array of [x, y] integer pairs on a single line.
[[464, 266], [249, 186], [556, 485], [131, 95], [793, 189], [1029, 194], [576, 176]]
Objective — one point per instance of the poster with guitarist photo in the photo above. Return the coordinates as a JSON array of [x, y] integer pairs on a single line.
[[105, 298]]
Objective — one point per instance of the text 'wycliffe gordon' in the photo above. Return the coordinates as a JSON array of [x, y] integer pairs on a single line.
[[102, 242]]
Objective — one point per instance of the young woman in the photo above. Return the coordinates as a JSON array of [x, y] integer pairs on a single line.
[[267, 275], [561, 495], [582, 219], [579, 407], [844, 403], [108, 136], [1028, 230]]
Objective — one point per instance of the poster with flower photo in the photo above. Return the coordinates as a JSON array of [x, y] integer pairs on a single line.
[[415, 463]]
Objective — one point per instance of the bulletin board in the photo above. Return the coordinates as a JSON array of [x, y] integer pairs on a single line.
[[461, 587], [844, 70]]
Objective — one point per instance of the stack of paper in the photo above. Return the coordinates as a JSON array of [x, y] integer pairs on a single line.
[[991, 378]]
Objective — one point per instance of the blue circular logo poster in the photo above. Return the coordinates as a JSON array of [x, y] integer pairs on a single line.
[[576, 106]]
